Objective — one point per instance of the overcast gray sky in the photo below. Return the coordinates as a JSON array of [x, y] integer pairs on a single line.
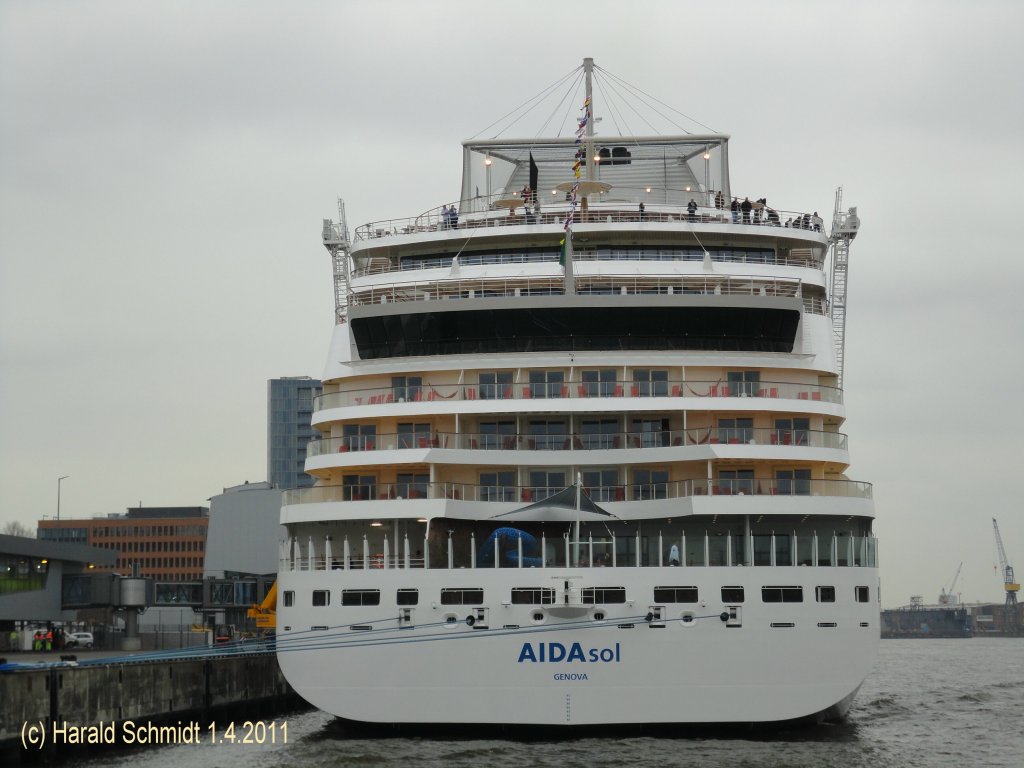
[[165, 166]]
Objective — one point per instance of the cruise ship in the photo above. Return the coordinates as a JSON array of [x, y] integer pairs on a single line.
[[581, 458]]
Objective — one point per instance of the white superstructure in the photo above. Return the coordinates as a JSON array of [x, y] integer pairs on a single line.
[[607, 491]]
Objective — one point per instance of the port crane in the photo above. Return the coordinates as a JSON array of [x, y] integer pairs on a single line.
[[947, 596], [1010, 585]]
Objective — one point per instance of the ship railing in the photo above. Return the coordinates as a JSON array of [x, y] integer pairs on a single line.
[[603, 549], [418, 487], [430, 392], [587, 285], [509, 441], [483, 215], [796, 257]]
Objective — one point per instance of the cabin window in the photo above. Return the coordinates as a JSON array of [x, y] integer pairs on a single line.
[[825, 594], [359, 487], [650, 484], [406, 388], [791, 431], [596, 434], [359, 437], [496, 435], [548, 435], [544, 483], [649, 383], [744, 383], [735, 431], [414, 436], [546, 384], [793, 482], [603, 484], [496, 385], [412, 486], [675, 595], [732, 594], [289, 598], [782, 594], [532, 596], [360, 597], [649, 433], [599, 383], [462, 596], [498, 486], [321, 597], [862, 594], [603, 595], [407, 597]]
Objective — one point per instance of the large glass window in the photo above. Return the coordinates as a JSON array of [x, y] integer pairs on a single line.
[[599, 383], [547, 384], [462, 596], [744, 383], [650, 484], [603, 595], [360, 597], [496, 385], [649, 383], [498, 485], [675, 595], [533, 596], [782, 594]]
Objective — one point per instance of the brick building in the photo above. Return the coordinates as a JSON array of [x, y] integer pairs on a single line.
[[167, 543]]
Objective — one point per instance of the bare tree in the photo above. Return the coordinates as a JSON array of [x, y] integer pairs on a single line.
[[14, 528]]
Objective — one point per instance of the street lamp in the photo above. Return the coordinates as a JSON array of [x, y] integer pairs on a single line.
[[59, 479]]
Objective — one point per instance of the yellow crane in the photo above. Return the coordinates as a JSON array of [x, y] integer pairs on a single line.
[[265, 613], [1010, 585]]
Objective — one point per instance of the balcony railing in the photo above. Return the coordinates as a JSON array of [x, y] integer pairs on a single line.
[[596, 213], [673, 489], [490, 441], [797, 257], [578, 390], [588, 285]]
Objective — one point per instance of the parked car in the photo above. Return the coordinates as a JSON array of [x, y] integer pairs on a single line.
[[79, 640]]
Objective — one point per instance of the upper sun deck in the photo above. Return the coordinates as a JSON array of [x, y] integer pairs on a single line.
[[635, 184]]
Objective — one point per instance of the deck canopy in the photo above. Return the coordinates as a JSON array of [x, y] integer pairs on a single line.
[[668, 170], [561, 507]]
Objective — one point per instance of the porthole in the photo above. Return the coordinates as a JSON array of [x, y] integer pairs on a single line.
[[451, 621], [537, 617], [686, 618], [598, 615]]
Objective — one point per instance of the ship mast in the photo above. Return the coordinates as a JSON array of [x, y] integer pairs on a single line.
[[588, 69]]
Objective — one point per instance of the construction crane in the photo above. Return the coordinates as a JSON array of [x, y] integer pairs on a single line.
[[265, 613], [1011, 617], [947, 596]]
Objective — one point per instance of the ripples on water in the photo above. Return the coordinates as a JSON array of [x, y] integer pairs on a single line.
[[927, 703]]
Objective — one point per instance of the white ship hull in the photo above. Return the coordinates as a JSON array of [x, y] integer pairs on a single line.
[[574, 671]]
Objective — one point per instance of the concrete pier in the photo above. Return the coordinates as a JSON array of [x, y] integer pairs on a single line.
[[195, 690]]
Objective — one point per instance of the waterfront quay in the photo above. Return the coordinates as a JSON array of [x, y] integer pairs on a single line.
[[59, 709]]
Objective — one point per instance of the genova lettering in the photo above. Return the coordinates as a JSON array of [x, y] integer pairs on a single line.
[[558, 652]]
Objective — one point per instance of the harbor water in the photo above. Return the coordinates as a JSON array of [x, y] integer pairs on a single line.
[[927, 703]]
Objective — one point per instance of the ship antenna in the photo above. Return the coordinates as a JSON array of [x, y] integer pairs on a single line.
[[588, 69]]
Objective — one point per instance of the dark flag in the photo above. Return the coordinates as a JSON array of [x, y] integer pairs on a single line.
[[533, 177]]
